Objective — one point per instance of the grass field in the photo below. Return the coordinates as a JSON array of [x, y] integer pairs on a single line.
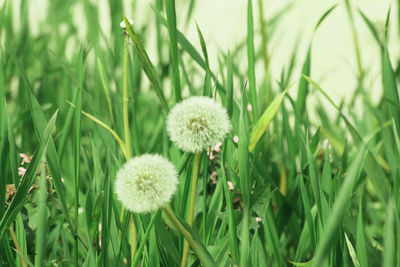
[[279, 190]]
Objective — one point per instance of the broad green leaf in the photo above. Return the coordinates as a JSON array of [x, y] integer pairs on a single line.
[[262, 124]]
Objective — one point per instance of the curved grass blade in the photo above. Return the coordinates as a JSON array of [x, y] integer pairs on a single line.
[[146, 63], [390, 91], [374, 171], [262, 124]]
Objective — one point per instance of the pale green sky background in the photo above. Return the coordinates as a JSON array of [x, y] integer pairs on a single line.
[[223, 24]]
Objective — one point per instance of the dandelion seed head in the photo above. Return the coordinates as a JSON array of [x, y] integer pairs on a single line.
[[146, 183], [198, 123]]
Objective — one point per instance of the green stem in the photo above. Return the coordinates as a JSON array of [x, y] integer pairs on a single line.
[[127, 136], [17, 247], [125, 101], [191, 207], [145, 237]]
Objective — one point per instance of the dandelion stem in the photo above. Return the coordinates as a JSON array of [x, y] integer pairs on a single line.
[[191, 207]]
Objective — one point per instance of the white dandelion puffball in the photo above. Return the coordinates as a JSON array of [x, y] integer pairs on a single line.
[[146, 183], [197, 123]]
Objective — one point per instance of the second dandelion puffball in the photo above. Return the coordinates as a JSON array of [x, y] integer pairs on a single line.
[[197, 123], [146, 183]]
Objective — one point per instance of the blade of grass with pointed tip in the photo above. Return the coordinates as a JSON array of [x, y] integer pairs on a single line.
[[355, 40], [251, 60], [194, 54], [262, 124], [20, 196], [324, 16], [374, 171], [342, 199], [207, 80], [371, 27], [105, 83], [390, 91], [172, 31], [303, 84], [352, 252], [146, 64]]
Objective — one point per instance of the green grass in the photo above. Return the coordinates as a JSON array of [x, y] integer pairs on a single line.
[[326, 189]]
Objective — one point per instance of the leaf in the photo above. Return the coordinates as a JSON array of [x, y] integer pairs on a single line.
[[21, 193], [146, 63], [251, 60], [172, 31], [342, 200], [262, 124], [352, 252], [390, 91]]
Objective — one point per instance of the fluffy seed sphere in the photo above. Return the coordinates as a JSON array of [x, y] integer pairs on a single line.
[[198, 123], [146, 183]]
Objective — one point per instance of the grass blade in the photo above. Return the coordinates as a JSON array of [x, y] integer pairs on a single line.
[[41, 241], [251, 60], [20, 196], [146, 63], [172, 31], [266, 118], [339, 207]]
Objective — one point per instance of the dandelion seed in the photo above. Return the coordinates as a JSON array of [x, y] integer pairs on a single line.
[[198, 123], [236, 139], [146, 183]]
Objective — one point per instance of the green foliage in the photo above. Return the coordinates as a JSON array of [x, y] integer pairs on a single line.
[[284, 188]]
